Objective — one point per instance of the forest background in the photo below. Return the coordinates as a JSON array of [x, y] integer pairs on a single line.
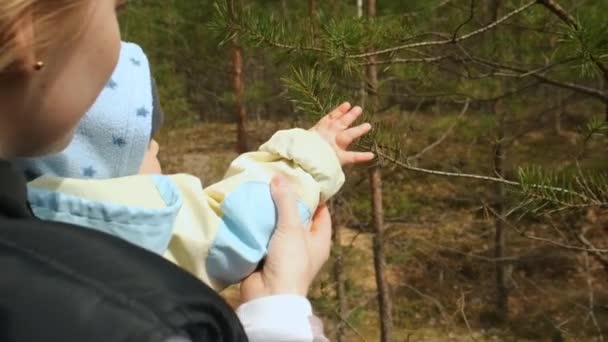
[[484, 217]]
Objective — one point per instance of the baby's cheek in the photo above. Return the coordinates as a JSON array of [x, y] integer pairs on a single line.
[[151, 164]]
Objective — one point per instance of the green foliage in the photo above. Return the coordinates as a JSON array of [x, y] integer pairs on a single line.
[[312, 63], [341, 42], [312, 91], [188, 42], [589, 39], [548, 192], [595, 127]]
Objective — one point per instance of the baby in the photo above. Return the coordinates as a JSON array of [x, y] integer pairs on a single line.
[[219, 233], [110, 139]]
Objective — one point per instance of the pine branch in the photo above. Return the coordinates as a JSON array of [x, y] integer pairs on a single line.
[[542, 192], [261, 38], [566, 17], [272, 43], [311, 91], [595, 126], [446, 41], [588, 247], [574, 191]]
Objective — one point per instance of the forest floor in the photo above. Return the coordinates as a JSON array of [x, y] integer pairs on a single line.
[[440, 238]]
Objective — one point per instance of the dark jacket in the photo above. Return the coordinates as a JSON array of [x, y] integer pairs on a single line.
[[65, 283]]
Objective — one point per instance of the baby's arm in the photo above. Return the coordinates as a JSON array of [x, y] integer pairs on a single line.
[[311, 160], [219, 234]]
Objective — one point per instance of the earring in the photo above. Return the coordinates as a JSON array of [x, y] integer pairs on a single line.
[[39, 65]]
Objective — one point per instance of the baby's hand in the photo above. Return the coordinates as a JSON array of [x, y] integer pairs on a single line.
[[335, 129]]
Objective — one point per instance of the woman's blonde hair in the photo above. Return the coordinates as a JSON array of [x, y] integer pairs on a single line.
[[51, 20]]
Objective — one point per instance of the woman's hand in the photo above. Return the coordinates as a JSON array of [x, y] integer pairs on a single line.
[[335, 129], [295, 254]]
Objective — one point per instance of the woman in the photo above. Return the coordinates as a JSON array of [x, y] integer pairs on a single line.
[[62, 283]]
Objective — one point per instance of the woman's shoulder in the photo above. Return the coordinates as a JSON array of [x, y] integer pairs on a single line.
[[99, 283]]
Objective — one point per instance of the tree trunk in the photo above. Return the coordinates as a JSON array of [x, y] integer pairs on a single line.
[[238, 87], [312, 9], [558, 113], [502, 294], [284, 8], [335, 7], [339, 272], [384, 301], [237, 79], [375, 181]]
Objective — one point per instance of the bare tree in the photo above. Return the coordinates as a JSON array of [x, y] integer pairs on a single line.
[[500, 235], [236, 52], [375, 182]]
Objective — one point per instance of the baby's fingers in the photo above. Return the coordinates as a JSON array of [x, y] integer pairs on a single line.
[[347, 158], [344, 139], [327, 122], [339, 111], [347, 119]]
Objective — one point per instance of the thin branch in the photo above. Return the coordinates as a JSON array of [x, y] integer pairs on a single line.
[[542, 29], [447, 41], [589, 280], [434, 300], [426, 96], [263, 39], [566, 85], [461, 306], [471, 15], [559, 11], [345, 321], [548, 67], [405, 61], [559, 327], [588, 202], [598, 253], [455, 250], [446, 174], [547, 241], [446, 133]]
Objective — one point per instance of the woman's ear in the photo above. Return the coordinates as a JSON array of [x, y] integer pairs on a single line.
[[22, 39]]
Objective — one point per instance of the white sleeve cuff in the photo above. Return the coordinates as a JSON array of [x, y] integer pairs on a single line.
[[311, 153], [277, 318]]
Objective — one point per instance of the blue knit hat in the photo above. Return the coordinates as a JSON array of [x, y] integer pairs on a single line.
[[114, 134]]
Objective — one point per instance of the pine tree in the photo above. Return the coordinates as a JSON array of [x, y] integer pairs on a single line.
[[469, 54]]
